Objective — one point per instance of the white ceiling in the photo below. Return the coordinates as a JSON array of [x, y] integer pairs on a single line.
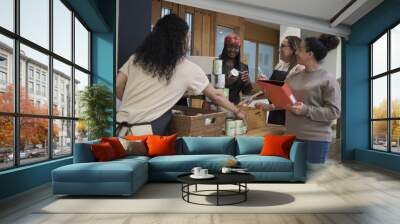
[[319, 9], [314, 15]]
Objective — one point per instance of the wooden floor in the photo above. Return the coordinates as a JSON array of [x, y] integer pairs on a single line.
[[378, 188]]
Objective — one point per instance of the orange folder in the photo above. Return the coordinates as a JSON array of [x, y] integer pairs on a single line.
[[278, 93]]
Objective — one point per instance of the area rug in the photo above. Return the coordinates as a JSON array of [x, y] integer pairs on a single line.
[[167, 198]]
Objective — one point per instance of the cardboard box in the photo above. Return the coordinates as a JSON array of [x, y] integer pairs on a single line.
[[188, 121], [255, 118]]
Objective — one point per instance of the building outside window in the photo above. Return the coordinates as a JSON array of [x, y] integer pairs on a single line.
[[384, 92], [3, 78], [34, 81], [3, 61], [38, 89], [30, 87], [3, 71], [43, 90], [30, 72], [44, 77], [37, 74]]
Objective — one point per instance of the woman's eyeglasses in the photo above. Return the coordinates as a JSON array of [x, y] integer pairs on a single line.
[[283, 46]]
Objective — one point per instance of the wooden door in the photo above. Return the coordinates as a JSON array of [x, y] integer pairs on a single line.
[[204, 33]]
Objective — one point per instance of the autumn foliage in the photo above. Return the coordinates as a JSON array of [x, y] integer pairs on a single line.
[[380, 127], [33, 130]]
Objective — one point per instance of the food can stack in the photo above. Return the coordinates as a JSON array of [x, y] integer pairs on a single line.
[[235, 127], [217, 79]]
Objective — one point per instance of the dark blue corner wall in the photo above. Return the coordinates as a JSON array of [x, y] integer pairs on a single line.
[[355, 115]]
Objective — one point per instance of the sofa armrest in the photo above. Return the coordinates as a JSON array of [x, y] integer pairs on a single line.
[[298, 157], [83, 152]]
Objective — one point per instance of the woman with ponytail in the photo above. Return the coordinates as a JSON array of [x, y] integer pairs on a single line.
[[318, 98]]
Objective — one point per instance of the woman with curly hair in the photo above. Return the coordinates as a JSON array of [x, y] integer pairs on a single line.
[[153, 80]]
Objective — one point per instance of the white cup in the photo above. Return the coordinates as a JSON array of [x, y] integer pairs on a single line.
[[226, 170], [196, 170], [203, 172]]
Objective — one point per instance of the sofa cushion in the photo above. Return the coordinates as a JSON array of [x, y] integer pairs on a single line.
[[116, 145], [134, 147], [206, 145], [112, 171], [257, 163], [161, 145], [185, 163], [103, 152], [277, 145], [249, 145]]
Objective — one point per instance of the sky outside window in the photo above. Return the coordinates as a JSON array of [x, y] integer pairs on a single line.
[[35, 27], [7, 14]]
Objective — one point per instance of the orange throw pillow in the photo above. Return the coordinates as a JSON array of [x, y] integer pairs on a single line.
[[136, 137], [277, 145], [116, 145], [103, 152], [161, 145]]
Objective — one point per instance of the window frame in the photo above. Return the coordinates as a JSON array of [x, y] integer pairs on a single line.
[[257, 42], [16, 115], [388, 74]]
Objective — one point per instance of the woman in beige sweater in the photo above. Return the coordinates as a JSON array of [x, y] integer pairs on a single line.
[[318, 98]]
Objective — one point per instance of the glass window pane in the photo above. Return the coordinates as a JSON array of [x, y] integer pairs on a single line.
[[250, 49], [379, 135], [379, 55], [81, 131], [7, 14], [189, 21], [395, 95], [6, 74], [165, 11], [62, 141], [395, 136], [6, 142], [221, 34], [32, 61], [395, 47], [379, 97], [62, 89], [81, 81], [33, 139], [81, 45], [265, 61], [35, 21], [62, 29]]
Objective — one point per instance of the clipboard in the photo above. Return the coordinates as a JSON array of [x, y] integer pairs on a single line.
[[279, 93]]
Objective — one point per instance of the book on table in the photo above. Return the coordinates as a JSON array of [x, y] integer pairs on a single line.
[[279, 93]]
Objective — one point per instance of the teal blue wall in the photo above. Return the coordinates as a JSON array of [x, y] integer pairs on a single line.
[[103, 64], [355, 116], [24, 178], [103, 58], [99, 15]]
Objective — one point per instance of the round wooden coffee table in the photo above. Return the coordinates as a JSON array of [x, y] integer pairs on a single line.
[[238, 179]]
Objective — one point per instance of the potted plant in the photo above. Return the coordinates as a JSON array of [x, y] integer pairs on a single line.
[[96, 102]]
